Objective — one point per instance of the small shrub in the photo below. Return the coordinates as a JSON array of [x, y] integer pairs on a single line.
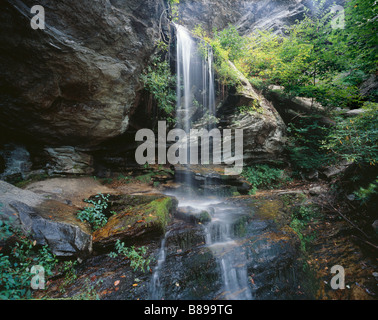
[[70, 275], [15, 268], [365, 194], [137, 256], [356, 139], [305, 144], [264, 176], [160, 82], [95, 215]]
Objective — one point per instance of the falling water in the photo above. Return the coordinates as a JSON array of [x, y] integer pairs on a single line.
[[195, 86], [155, 287], [221, 239], [195, 79]]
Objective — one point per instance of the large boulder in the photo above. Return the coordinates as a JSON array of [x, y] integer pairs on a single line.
[[75, 82], [263, 128], [138, 218], [49, 222]]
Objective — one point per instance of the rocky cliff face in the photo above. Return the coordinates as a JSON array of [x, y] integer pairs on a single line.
[[75, 82], [73, 86], [246, 15]]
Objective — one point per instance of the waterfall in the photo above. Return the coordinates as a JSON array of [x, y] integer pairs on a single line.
[[195, 99], [221, 238], [155, 290], [195, 79]]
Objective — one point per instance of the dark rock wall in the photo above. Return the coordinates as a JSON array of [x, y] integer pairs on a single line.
[[75, 85], [246, 15], [75, 82]]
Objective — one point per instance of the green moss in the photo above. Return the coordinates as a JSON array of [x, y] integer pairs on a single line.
[[161, 209], [204, 217]]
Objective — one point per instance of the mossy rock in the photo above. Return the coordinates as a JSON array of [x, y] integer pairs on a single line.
[[136, 217], [193, 215]]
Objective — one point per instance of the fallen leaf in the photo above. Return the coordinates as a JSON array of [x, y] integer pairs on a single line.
[[135, 285], [116, 283], [116, 289]]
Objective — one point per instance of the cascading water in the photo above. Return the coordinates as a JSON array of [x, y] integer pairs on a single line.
[[155, 288], [220, 237], [195, 85], [195, 79]]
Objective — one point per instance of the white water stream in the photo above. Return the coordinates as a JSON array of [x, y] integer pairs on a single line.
[[195, 78]]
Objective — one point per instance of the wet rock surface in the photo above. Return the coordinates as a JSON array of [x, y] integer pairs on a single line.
[[256, 254], [49, 222], [193, 266], [137, 218]]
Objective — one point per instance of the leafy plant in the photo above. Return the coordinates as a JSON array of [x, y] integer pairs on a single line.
[[70, 275], [15, 268], [305, 144], [174, 8], [264, 176], [250, 110], [95, 215], [160, 82], [300, 217], [356, 139], [365, 194], [137, 256]]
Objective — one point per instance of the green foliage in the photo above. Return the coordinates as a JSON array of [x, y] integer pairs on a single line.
[[356, 139], [137, 256], [250, 110], [159, 81], [264, 176], [174, 8], [15, 268], [230, 41], [5, 228], [361, 34], [88, 291], [312, 60], [300, 217], [365, 194], [70, 275], [95, 215], [305, 144], [222, 44]]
